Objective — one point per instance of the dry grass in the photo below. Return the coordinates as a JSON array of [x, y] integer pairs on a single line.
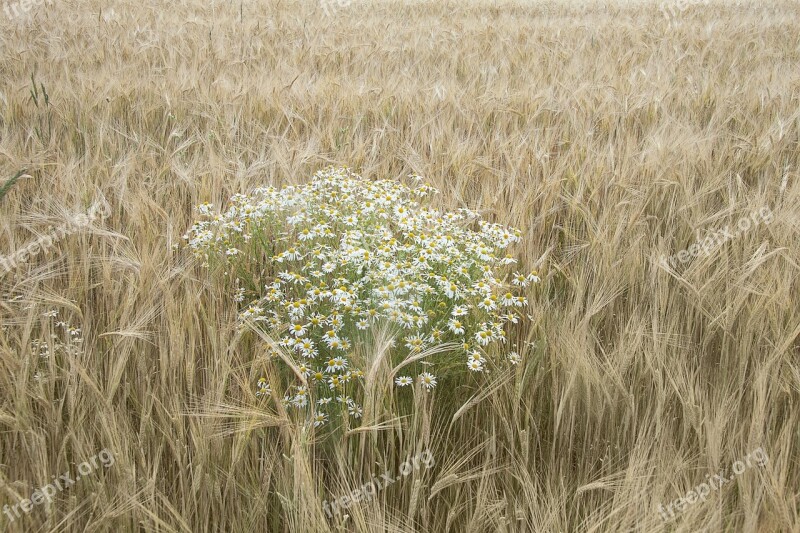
[[611, 136]]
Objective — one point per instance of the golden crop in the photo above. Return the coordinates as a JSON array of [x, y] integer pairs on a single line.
[[614, 135]]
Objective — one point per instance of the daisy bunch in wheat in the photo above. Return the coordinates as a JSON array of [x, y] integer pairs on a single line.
[[320, 266]]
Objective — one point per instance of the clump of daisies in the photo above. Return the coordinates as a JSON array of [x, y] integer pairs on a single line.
[[68, 343], [325, 262]]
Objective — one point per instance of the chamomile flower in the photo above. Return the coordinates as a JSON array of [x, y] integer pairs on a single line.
[[306, 347], [460, 310], [334, 382], [354, 410], [306, 235], [520, 280], [251, 313], [298, 330], [475, 366], [304, 369], [205, 208], [320, 419], [332, 340], [335, 343], [475, 355], [301, 398], [487, 304], [336, 364], [263, 387], [483, 337], [510, 317], [427, 380], [415, 343], [514, 358], [403, 381], [455, 326]]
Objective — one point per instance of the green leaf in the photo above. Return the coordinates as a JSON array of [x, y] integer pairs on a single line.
[[10, 183]]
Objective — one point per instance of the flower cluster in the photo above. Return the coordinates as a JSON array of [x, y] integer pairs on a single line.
[[69, 343], [327, 261]]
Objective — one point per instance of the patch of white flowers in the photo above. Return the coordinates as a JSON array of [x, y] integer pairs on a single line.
[[333, 258]]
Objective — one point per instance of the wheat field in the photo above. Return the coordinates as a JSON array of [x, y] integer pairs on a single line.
[[619, 137]]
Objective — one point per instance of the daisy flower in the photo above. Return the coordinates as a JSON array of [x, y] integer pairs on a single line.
[[354, 410], [460, 310], [306, 346], [487, 304], [415, 343], [263, 387], [300, 400], [292, 254], [306, 235], [456, 326], [334, 382], [298, 330], [403, 381], [304, 369], [475, 366], [336, 364], [239, 295], [483, 337], [475, 355], [428, 380]]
